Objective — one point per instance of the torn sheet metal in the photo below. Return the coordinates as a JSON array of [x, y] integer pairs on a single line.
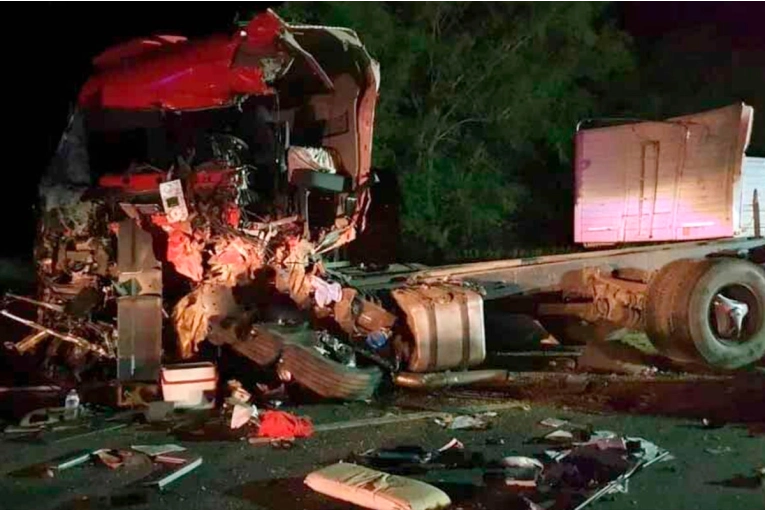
[[66, 337]]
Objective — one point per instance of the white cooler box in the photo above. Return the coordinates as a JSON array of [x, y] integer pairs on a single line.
[[190, 384]]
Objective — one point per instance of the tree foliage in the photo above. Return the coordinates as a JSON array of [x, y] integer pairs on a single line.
[[478, 105]]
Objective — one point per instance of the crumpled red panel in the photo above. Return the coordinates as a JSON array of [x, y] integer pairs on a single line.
[[281, 425], [184, 255], [234, 259], [233, 215]]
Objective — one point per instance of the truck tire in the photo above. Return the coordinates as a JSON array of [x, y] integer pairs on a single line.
[[664, 291], [261, 346], [694, 324], [328, 378]]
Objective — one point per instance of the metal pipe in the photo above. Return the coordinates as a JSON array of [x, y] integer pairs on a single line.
[[29, 342], [49, 306], [444, 379], [80, 342], [756, 212]]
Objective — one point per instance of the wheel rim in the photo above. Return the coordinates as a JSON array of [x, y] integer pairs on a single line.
[[734, 314]]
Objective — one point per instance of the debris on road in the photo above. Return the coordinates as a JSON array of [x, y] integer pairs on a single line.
[[41, 418], [522, 462], [154, 450], [282, 425], [376, 490], [158, 411], [168, 472], [71, 461], [719, 451], [405, 460], [113, 458], [241, 415], [554, 423], [387, 419], [516, 472], [583, 466], [466, 422], [560, 436]]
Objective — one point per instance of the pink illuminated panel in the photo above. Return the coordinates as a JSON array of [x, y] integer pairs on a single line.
[[661, 181]]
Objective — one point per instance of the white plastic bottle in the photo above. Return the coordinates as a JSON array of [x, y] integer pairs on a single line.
[[72, 405]]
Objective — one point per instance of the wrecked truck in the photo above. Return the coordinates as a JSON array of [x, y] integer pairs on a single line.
[[193, 195], [201, 187]]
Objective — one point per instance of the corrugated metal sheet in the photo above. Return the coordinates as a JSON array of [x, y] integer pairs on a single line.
[[752, 180], [661, 181]]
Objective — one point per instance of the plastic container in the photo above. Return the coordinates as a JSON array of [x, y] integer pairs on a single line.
[[189, 384], [72, 405]]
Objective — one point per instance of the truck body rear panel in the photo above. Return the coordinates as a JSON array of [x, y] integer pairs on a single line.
[[673, 180]]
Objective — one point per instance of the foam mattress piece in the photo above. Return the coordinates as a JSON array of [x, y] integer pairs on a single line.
[[374, 489]]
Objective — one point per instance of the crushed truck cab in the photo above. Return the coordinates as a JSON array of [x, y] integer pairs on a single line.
[[191, 169]]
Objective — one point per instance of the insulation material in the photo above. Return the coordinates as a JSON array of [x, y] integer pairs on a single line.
[[193, 312], [374, 489]]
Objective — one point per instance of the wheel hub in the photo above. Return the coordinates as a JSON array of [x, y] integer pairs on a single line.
[[730, 315]]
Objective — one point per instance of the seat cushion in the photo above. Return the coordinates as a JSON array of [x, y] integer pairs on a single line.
[[374, 489]]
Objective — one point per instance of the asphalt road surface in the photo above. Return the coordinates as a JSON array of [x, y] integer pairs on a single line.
[[712, 468]]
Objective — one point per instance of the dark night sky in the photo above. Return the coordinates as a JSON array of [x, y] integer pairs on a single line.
[[652, 19], [48, 47]]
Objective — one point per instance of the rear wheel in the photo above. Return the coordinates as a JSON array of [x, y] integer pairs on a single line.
[[725, 314], [710, 311], [665, 290]]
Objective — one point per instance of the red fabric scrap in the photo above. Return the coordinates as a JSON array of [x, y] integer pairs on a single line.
[[281, 425]]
